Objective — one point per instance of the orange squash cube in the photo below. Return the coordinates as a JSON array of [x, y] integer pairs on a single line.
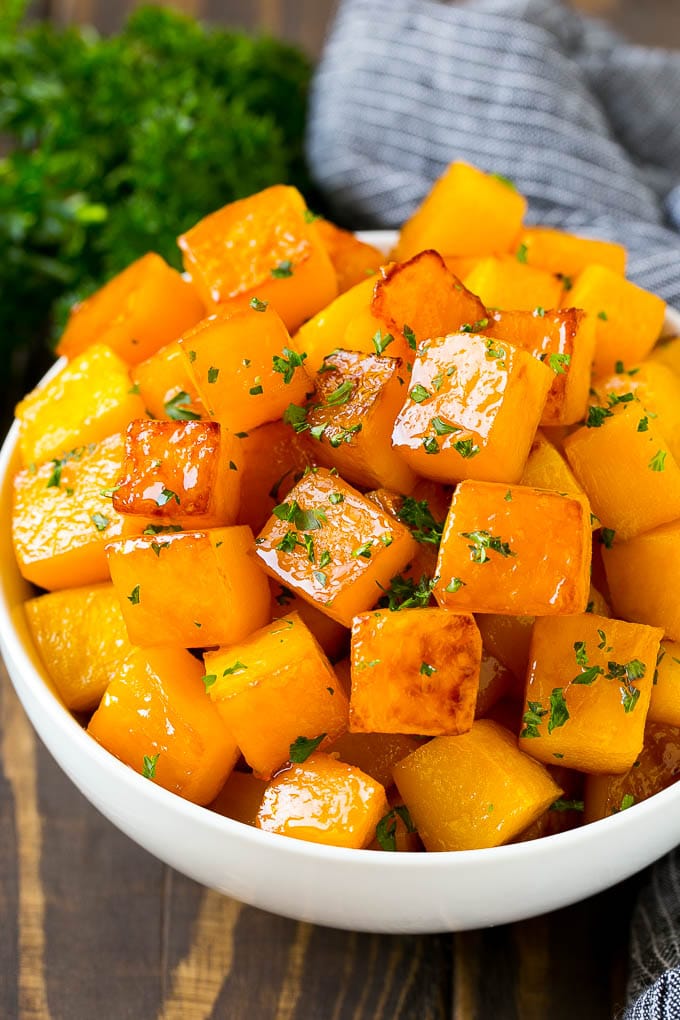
[[264, 247], [505, 282], [82, 639], [179, 471], [323, 801], [626, 469], [240, 797], [415, 671], [514, 551], [271, 459], [244, 367], [667, 352], [565, 342], [352, 415], [546, 468], [95, 398], [333, 547], [274, 687], [189, 589], [664, 706], [332, 636], [495, 682], [643, 575], [588, 689], [137, 312], [566, 254], [165, 385], [657, 388], [467, 212], [472, 409], [156, 718], [62, 516], [628, 320], [508, 639], [353, 260], [327, 331], [376, 754], [656, 768], [473, 791]]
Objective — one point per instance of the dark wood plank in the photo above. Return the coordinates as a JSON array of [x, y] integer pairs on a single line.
[[9, 864]]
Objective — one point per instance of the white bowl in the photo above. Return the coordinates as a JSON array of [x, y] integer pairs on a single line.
[[356, 889]]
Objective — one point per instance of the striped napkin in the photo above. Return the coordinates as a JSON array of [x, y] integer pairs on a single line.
[[586, 125]]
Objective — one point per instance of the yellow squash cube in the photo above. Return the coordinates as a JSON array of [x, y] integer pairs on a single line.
[[587, 693], [515, 551], [273, 688], [546, 468], [471, 410], [333, 546], [643, 575], [505, 282], [414, 671], [189, 589], [657, 388], [566, 254], [664, 706]]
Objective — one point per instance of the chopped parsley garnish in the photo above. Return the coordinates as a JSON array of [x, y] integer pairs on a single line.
[[178, 408], [344, 435], [213, 374], [320, 577], [303, 520], [100, 522], [558, 363], [325, 559], [597, 416], [308, 543], [532, 719], [258, 306], [149, 763], [302, 747], [508, 496], [282, 270], [443, 428], [386, 829], [643, 424], [539, 311], [161, 529], [165, 496], [417, 515], [410, 337], [363, 550], [287, 362], [288, 543], [454, 585], [426, 669], [522, 253], [336, 497], [296, 416], [559, 713], [627, 801], [473, 327], [430, 444], [341, 395], [380, 342], [658, 461], [483, 542], [419, 393], [466, 448], [498, 353], [603, 315], [405, 593], [567, 805], [607, 536], [256, 390], [133, 597], [208, 680], [238, 667]]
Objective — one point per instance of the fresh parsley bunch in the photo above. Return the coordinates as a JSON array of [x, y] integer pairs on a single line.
[[114, 146]]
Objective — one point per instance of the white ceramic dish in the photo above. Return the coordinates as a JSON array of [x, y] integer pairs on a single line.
[[355, 889]]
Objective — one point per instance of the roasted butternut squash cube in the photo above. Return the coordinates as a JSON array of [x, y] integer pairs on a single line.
[[327, 331], [504, 281], [156, 718], [588, 689], [352, 415], [656, 768], [414, 671], [664, 706], [472, 409], [467, 212], [333, 547], [244, 367], [496, 681], [261, 246], [271, 459], [274, 688], [565, 342], [94, 396], [643, 576], [179, 471], [332, 636], [166, 387], [546, 468], [82, 639], [140, 310], [62, 516], [240, 797], [473, 791], [508, 639], [323, 801], [514, 551], [628, 320], [376, 754], [353, 260], [567, 254], [626, 469], [667, 352], [658, 390], [462, 265], [189, 589]]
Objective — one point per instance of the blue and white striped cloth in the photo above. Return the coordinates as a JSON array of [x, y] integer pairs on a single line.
[[587, 126]]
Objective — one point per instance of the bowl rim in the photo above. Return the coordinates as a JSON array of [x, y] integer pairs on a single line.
[[60, 719]]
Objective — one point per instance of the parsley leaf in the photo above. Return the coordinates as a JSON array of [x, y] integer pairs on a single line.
[[149, 763], [482, 542], [287, 363], [302, 747], [419, 393], [559, 713], [386, 829], [178, 408], [380, 342], [283, 270], [416, 514]]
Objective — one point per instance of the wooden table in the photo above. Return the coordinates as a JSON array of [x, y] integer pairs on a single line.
[[92, 926]]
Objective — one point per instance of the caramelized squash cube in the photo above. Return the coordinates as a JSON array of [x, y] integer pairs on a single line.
[[643, 575], [514, 551], [263, 247], [467, 212], [156, 718], [244, 367], [473, 791], [505, 282], [664, 706], [353, 260], [273, 688], [62, 516], [323, 801], [567, 254], [136, 313], [179, 471], [628, 320], [376, 754], [94, 398], [508, 639], [626, 469], [333, 547], [82, 639], [352, 416], [471, 410], [414, 671], [271, 459], [240, 797], [189, 589], [588, 689], [166, 387]]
